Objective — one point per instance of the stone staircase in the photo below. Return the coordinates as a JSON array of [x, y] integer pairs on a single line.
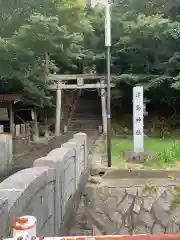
[[67, 103], [84, 124], [87, 115]]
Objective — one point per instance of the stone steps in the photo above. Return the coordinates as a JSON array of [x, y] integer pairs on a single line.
[[84, 124], [87, 115]]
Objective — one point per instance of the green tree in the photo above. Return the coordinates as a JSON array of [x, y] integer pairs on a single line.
[[29, 30], [145, 47]]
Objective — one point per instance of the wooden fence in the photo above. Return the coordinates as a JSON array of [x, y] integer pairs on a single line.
[[23, 134], [22, 137], [22, 130]]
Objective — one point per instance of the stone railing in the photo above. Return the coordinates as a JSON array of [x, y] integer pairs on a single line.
[[50, 190]]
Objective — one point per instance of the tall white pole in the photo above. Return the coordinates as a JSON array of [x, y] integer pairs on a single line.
[[138, 119], [104, 109], [108, 46], [107, 25]]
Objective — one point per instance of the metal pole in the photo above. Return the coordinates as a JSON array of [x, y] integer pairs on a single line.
[[109, 106], [108, 45]]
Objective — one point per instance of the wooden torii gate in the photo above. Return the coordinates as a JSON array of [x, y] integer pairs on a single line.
[[63, 82]]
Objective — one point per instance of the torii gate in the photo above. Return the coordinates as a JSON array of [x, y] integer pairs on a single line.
[[62, 82]]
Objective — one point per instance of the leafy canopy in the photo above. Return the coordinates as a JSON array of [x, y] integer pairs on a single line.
[[29, 30], [145, 45]]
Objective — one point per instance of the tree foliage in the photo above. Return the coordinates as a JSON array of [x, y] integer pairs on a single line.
[[145, 45], [145, 48], [31, 28]]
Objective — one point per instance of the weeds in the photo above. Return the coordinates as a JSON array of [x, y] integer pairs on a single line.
[[166, 153], [169, 155]]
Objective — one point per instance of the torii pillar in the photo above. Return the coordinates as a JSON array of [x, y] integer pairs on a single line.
[[58, 111]]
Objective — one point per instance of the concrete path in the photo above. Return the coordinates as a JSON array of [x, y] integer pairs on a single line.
[[41, 149]]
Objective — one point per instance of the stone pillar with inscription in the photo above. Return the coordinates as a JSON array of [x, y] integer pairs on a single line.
[[138, 119], [138, 154]]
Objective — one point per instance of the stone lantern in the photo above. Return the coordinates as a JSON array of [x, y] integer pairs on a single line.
[[145, 102]]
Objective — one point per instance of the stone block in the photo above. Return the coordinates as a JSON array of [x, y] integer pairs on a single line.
[[124, 231], [96, 231], [105, 193], [175, 216], [150, 190], [132, 191], [47, 229], [117, 219], [137, 157], [141, 230], [94, 170], [161, 215], [101, 221], [3, 217], [172, 227], [117, 193], [5, 153], [146, 219], [109, 206], [148, 203], [125, 205], [165, 200], [137, 205], [157, 229]]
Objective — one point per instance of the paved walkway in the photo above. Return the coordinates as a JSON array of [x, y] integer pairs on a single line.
[[41, 149], [38, 150]]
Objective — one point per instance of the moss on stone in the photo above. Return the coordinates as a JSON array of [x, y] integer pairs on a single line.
[[9, 227], [94, 180], [149, 188], [177, 188], [176, 197]]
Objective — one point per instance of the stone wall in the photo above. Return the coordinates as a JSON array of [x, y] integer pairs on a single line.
[[50, 191], [129, 203]]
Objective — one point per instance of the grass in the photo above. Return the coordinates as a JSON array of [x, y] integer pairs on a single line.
[[167, 153]]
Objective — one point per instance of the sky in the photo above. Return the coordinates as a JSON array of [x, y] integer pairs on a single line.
[[94, 2]]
